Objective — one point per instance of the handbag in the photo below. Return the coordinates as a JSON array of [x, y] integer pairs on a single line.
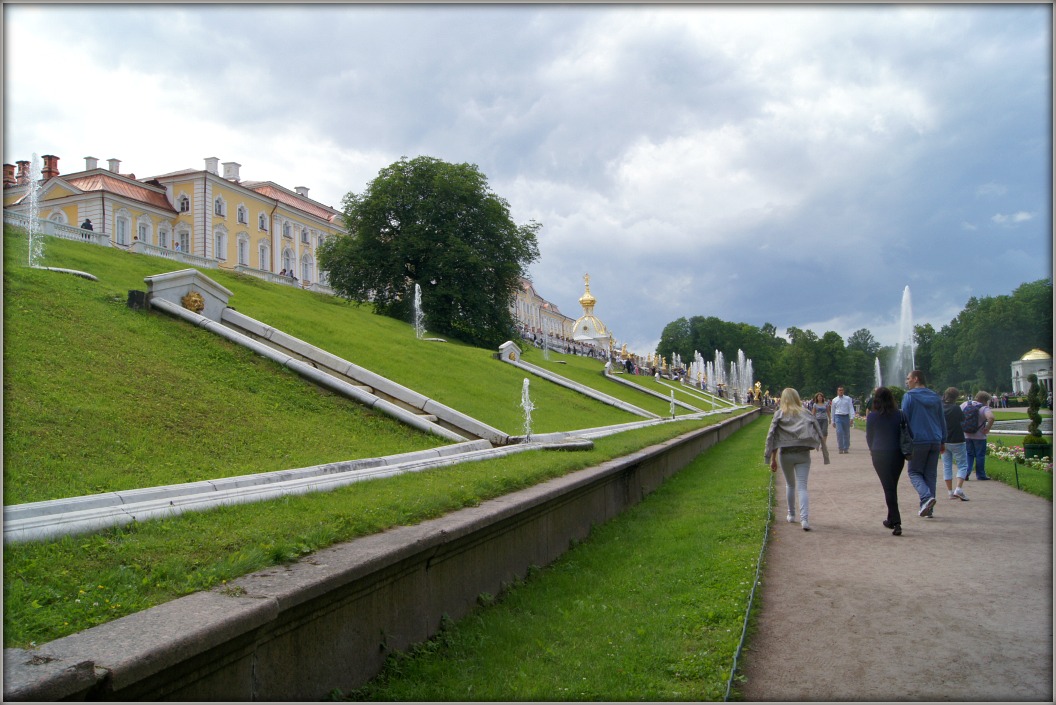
[[905, 437]]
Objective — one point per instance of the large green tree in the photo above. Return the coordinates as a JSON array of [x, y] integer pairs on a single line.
[[975, 349], [427, 222]]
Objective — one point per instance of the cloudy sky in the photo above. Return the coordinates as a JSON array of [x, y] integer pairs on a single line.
[[797, 165]]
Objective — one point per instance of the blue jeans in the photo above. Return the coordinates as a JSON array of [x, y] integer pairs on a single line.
[[842, 422], [976, 456], [955, 453], [923, 468], [796, 467]]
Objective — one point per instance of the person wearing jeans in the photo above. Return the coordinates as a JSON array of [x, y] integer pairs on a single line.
[[975, 441], [922, 408], [955, 446], [795, 431], [842, 412]]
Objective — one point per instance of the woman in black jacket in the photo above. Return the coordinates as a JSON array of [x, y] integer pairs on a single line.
[[883, 427]]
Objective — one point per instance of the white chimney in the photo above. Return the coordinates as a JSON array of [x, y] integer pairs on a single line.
[[231, 170], [211, 165], [90, 163], [115, 165], [301, 191]]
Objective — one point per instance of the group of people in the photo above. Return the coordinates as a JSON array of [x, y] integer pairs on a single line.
[[926, 428]]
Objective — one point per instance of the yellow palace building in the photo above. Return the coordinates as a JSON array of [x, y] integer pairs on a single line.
[[199, 216]]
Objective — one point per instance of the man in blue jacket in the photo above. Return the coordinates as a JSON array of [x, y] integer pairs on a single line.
[[922, 408]]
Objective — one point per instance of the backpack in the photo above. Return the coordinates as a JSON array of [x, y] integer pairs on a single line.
[[971, 422]]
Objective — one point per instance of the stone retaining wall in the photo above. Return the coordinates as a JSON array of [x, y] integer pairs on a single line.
[[295, 632]]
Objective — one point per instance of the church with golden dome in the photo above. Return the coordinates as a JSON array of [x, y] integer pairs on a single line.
[[588, 328]]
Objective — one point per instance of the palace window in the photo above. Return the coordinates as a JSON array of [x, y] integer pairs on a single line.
[[243, 215], [265, 256], [304, 235], [121, 227], [243, 249], [262, 222], [287, 230], [221, 245], [163, 237], [219, 207], [183, 203]]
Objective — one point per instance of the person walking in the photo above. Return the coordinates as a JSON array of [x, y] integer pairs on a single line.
[[923, 410], [822, 412], [795, 432], [883, 426], [955, 448], [978, 420], [842, 413]]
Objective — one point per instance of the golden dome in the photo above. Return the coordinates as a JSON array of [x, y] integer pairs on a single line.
[[1036, 354], [587, 300]]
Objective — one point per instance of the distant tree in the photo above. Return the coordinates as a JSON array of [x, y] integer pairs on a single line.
[[975, 349], [923, 353], [864, 341], [424, 221], [676, 338]]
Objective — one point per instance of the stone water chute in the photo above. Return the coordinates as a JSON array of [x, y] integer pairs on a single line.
[[180, 293]]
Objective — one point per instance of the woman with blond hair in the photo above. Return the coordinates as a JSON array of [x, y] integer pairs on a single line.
[[795, 432]]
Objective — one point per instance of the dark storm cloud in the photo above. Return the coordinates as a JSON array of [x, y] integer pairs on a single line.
[[783, 164]]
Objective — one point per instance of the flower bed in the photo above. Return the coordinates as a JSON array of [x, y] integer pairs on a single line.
[[1015, 454]]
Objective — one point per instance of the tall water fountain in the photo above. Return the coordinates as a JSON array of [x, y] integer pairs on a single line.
[[527, 406], [903, 360], [877, 378], [419, 317], [36, 238]]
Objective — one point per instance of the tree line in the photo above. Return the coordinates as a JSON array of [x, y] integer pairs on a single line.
[[973, 351]]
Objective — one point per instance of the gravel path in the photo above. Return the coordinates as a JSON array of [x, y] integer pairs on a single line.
[[957, 608]]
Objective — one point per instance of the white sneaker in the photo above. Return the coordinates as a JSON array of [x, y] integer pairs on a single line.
[[959, 494], [805, 525], [790, 519]]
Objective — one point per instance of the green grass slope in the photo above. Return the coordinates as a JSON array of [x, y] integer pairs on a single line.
[[99, 397]]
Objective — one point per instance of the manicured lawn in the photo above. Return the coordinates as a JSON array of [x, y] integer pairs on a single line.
[[99, 397], [58, 587], [650, 607]]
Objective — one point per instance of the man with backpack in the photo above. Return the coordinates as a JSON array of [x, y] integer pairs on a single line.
[[977, 422]]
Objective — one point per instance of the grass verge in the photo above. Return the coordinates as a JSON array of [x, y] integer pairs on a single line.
[[649, 607], [59, 587], [1030, 480]]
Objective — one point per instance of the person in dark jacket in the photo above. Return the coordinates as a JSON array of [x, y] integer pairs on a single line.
[[87, 225], [955, 451], [882, 432], [923, 410]]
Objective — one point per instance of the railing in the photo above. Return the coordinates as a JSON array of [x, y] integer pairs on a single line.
[[280, 279], [69, 232], [50, 227], [143, 248]]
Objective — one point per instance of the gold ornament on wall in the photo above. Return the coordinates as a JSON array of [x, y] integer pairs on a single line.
[[193, 302]]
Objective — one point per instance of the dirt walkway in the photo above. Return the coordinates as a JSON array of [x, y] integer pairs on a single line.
[[957, 608]]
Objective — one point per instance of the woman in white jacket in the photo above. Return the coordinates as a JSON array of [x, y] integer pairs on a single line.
[[795, 432]]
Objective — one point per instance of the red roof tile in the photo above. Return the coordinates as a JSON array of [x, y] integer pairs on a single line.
[[293, 201], [103, 182]]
